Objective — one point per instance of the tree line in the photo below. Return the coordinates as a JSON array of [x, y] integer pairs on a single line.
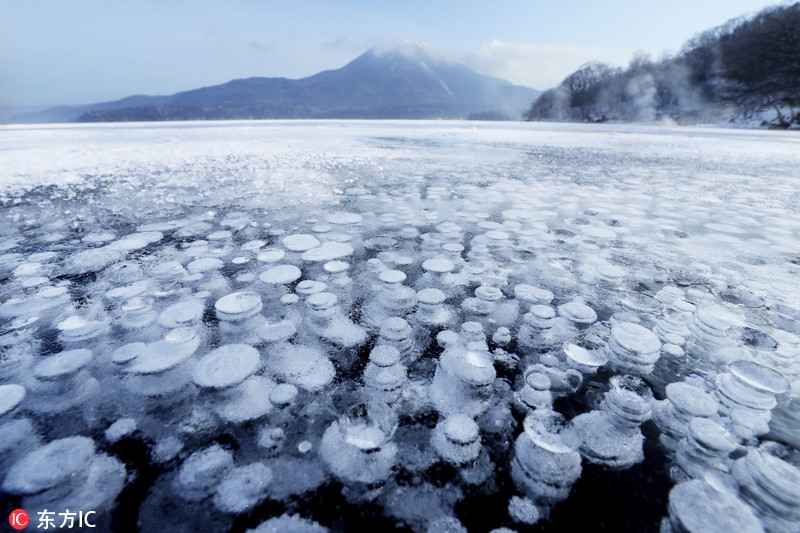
[[744, 68]]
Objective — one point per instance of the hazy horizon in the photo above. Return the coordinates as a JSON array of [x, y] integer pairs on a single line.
[[53, 53]]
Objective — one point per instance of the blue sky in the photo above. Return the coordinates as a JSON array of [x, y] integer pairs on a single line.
[[83, 51]]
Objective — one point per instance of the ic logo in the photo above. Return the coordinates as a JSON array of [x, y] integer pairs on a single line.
[[19, 519]]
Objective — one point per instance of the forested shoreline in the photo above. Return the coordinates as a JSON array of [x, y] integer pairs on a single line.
[[747, 70]]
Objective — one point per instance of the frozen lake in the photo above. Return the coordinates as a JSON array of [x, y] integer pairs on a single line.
[[424, 326]]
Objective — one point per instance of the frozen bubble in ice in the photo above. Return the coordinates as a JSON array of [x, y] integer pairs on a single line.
[[10, 397], [673, 351], [337, 237], [62, 364], [328, 251], [180, 340], [238, 305], [322, 300], [271, 255], [551, 431], [697, 507], [597, 232], [635, 338], [583, 360], [478, 359], [120, 429], [446, 338], [335, 267], [300, 242], [691, 400], [577, 312], [785, 317], [343, 218], [438, 265], [452, 247], [457, 439], [364, 437], [752, 338], [92, 260], [532, 295], [249, 400], [380, 243], [135, 241], [221, 235], [127, 292], [164, 355], [392, 276], [27, 269], [283, 394], [128, 352], [711, 436], [290, 299], [167, 225], [42, 256], [384, 355], [304, 447], [181, 314], [716, 318], [270, 437], [49, 466], [489, 294], [34, 281], [460, 429], [538, 381], [303, 366], [497, 236], [280, 275], [610, 271], [445, 524], [97, 237], [772, 486], [542, 312], [235, 220], [205, 264], [168, 270], [166, 449], [289, 524], [272, 332], [523, 510], [356, 452], [308, 287], [227, 366], [640, 302], [759, 377], [253, 245], [431, 296], [202, 472], [243, 488]]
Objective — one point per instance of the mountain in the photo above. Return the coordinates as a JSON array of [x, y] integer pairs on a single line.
[[404, 84]]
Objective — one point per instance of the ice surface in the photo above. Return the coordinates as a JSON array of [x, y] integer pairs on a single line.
[[672, 251]]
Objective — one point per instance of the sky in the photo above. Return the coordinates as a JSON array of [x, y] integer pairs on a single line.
[[84, 51]]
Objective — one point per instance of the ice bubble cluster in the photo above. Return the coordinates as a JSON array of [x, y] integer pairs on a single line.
[[468, 357]]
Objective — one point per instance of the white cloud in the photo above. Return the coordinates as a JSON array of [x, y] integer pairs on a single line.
[[540, 66]]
